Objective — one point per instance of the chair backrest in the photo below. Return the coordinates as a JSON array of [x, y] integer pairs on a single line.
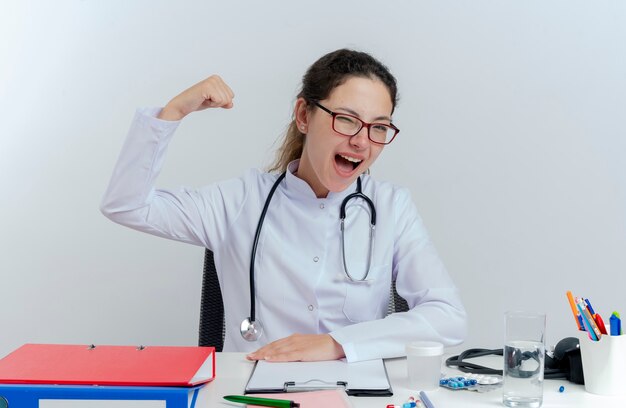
[[396, 302], [212, 326]]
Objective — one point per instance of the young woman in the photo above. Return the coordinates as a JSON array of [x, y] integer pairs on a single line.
[[321, 285]]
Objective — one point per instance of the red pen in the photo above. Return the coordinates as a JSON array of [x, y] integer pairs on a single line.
[[600, 323], [596, 318]]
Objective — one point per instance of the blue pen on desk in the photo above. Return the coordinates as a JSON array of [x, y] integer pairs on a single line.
[[426, 400]]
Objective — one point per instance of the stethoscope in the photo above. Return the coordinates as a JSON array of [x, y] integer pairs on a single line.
[[252, 329]]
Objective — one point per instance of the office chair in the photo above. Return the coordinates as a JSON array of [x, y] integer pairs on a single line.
[[396, 302], [212, 325]]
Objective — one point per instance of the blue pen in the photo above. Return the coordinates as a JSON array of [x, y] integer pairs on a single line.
[[588, 327], [426, 400], [616, 324], [589, 307], [580, 322]]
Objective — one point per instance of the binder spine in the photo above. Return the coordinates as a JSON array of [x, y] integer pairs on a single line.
[[29, 396]]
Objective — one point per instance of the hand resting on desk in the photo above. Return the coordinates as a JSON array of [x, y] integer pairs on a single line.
[[300, 347]]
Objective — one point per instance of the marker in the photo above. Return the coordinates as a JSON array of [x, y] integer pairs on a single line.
[[426, 400], [265, 402], [616, 324], [572, 305]]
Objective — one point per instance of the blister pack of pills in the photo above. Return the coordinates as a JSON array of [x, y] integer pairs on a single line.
[[472, 382]]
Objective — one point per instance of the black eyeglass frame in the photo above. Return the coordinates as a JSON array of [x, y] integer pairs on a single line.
[[363, 124]]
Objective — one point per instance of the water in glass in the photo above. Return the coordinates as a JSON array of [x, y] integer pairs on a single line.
[[523, 374]]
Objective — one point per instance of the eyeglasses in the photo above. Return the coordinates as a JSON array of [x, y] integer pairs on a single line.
[[349, 125]]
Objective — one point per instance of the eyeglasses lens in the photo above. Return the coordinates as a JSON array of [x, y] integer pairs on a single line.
[[349, 126]]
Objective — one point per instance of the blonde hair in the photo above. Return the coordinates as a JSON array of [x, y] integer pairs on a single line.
[[327, 73], [290, 149]]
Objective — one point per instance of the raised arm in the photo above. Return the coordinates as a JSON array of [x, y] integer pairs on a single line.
[[213, 92], [131, 199]]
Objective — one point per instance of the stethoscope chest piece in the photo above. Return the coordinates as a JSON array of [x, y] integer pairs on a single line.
[[251, 330]]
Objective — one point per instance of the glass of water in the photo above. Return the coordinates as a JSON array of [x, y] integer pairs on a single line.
[[524, 355]]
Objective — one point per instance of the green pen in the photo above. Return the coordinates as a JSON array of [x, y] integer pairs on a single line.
[[265, 402]]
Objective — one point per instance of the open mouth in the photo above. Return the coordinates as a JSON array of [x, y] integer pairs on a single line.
[[345, 163]]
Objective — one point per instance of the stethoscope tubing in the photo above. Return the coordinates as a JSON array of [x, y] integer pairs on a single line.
[[358, 194], [251, 330], [342, 218], [256, 243]]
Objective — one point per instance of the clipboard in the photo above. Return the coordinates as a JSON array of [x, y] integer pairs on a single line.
[[363, 378]]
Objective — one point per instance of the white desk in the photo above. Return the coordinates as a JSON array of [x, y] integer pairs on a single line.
[[233, 370]]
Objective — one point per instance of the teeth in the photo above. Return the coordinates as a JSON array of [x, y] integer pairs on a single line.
[[351, 159]]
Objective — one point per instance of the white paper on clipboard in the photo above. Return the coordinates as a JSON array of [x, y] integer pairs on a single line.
[[359, 378]]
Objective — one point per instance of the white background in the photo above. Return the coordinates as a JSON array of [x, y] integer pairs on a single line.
[[512, 143]]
